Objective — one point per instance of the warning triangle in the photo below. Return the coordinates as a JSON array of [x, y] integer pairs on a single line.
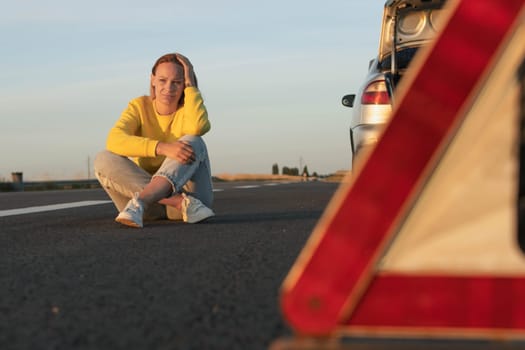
[[423, 239]]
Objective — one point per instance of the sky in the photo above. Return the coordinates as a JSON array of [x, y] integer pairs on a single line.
[[272, 74]]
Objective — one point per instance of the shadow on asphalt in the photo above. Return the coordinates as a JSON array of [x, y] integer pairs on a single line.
[[262, 217]]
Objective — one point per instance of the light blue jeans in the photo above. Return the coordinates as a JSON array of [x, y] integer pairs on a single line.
[[121, 178]]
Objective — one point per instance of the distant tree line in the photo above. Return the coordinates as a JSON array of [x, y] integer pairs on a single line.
[[291, 171]]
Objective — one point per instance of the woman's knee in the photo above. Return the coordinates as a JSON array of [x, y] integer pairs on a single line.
[[196, 142], [190, 138], [107, 163], [103, 160], [100, 160]]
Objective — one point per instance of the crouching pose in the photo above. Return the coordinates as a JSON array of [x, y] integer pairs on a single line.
[[156, 163]]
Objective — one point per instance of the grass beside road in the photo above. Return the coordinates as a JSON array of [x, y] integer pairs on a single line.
[[338, 176], [93, 183], [255, 177]]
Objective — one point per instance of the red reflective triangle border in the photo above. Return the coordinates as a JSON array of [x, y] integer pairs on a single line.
[[332, 282]]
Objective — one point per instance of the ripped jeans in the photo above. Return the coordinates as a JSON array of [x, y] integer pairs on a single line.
[[121, 178]]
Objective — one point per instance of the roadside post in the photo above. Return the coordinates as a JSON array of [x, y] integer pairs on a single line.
[[18, 181]]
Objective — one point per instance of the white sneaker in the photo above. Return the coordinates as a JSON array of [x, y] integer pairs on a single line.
[[132, 213], [193, 210]]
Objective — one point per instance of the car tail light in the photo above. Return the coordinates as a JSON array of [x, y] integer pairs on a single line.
[[376, 94]]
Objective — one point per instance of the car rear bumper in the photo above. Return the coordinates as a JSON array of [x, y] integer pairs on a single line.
[[363, 136]]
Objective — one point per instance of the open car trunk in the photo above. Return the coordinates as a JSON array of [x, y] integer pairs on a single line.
[[407, 25]]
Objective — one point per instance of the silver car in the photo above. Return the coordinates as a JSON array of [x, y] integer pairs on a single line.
[[407, 25]]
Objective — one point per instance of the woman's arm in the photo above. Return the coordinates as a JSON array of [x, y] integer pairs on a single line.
[[195, 120], [124, 138]]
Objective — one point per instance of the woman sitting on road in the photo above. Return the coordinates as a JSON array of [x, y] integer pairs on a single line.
[[169, 173]]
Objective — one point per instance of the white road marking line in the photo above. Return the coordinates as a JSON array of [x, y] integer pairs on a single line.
[[42, 208]]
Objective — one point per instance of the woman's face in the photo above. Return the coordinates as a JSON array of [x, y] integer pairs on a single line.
[[168, 83]]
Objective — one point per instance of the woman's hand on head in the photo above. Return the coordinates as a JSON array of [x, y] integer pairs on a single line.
[[189, 74], [179, 150]]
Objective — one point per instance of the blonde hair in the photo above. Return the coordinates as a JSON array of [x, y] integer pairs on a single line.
[[168, 58]]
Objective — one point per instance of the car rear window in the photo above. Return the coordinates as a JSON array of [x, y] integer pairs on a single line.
[[403, 58]]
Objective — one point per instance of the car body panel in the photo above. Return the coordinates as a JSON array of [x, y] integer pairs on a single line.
[[407, 25]]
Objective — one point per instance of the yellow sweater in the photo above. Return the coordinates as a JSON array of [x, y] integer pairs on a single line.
[[140, 128]]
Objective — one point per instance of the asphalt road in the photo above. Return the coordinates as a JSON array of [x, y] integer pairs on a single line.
[[75, 279]]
